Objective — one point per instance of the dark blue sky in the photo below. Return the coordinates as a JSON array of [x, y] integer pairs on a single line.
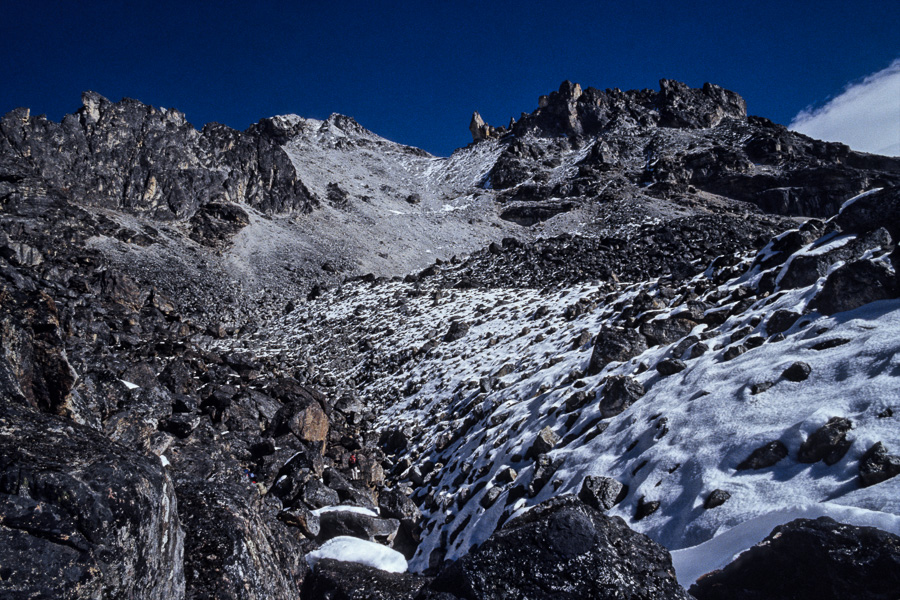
[[414, 71]]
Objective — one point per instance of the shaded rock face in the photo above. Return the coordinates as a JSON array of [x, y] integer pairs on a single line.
[[810, 559], [34, 368], [132, 156], [334, 580], [874, 210], [231, 549], [682, 106], [563, 549], [853, 285], [82, 517]]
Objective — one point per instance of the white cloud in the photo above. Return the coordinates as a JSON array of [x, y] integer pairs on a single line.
[[866, 116]]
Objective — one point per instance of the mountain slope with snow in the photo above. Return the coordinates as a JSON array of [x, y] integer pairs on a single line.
[[304, 341], [472, 407]]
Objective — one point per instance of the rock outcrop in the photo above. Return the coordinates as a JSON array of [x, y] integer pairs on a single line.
[[827, 559], [563, 548]]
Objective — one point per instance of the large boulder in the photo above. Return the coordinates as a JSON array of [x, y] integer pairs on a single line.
[[615, 345], [354, 523], [808, 558], [563, 549], [871, 211], [853, 285], [83, 517], [828, 443], [233, 548]]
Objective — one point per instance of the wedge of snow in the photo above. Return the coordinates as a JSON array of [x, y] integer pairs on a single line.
[[857, 197], [691, 563], [129, 385], [351, 549], [342, 508]]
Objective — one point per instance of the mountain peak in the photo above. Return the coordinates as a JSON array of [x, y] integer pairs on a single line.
[[571, 111]]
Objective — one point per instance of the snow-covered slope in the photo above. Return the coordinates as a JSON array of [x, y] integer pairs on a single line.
[[473, 398]]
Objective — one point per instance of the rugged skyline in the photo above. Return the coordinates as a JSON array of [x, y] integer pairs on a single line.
[[413, 73]]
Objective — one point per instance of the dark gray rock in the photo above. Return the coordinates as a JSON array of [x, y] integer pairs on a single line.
[[336, 580], [301, 518], [716, 498], [82, 517], [545, 441], [666, 331], [878, 209], [393, 504], [457, 331], [853, 285], [335, 523], [829, 443], [490, 497], [734, 351], [877, 465], [601, 493], [615, 345], [682, 106], [563, 549], [131, 156], [781, 321], [764, 456], [810, 559], [316, 494], [798, 371], [645, 508], [759, 388], [670, 366], [619, 392]]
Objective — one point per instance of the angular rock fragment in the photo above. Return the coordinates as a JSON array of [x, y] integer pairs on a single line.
[[829, 443], [877, 465], [601, 493], [716, 498], [764, 456], [615, 345], [619, 392], [543, 443]]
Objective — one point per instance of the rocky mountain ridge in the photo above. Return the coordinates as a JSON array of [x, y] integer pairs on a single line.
[[215, 342]]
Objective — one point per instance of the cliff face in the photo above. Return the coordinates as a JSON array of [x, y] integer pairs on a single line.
[[207, 337], [134, 157]]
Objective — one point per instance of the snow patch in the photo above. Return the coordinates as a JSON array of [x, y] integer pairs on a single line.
[[351, 549]]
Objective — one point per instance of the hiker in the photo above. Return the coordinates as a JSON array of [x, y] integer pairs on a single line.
[[354, 468]]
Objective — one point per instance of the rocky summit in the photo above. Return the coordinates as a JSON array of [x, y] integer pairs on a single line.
[[634, 344]]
